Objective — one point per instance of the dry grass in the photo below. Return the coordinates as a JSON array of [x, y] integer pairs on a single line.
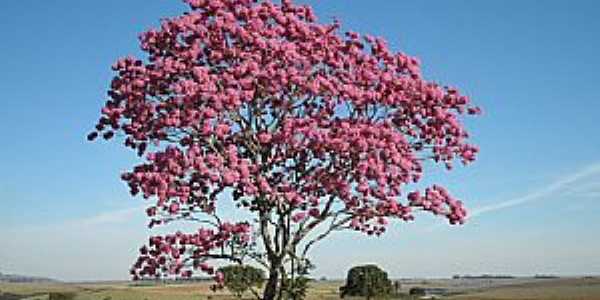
[[567, 289], [563, 289]]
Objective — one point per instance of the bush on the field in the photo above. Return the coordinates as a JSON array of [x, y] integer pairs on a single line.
[[61, 296], [297, 288], [367, 281], [417, 291], [238, 279]]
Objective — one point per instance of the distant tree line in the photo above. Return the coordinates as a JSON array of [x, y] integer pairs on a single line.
[[22, 279], [484, 276]]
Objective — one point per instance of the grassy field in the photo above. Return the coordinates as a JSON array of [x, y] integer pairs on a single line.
[[563, 289], [569, 288]]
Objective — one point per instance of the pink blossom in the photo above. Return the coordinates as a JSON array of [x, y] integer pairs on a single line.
[[228, 178], [219, 277], [174, 208], [222, 130], [298, 217], [264, 137], [314, 212]]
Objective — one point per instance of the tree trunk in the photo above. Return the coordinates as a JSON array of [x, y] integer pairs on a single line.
[[270, 291]]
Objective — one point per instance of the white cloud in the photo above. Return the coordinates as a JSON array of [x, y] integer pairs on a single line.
[[588, 190], [562, 184], [573, 183], [100, 247], [112, 217]]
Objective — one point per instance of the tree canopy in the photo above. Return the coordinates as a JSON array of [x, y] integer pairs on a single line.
[[308, 130]]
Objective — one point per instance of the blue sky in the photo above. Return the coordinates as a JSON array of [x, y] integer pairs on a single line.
[[535, 188]]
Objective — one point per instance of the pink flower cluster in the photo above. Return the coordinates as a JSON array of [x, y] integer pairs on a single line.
[[440, 202], [179, 254], [189, 179]]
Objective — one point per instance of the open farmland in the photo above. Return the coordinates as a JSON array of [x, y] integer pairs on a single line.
[[464, 289], [564, 289]]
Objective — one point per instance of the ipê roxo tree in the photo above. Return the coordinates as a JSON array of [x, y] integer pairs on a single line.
[[307, 130]]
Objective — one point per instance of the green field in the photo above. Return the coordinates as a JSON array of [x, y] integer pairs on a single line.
[[569, 288]]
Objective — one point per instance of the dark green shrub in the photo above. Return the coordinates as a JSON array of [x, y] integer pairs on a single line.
[[296, 289], [62, 296], [238, 279], [368, 281], [417, 291]]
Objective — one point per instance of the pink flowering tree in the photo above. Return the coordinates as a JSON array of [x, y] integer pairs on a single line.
[[305, 129]]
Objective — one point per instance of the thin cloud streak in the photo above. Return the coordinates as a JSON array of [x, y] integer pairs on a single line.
[[561, 185], [557, 186], [111, 217]]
